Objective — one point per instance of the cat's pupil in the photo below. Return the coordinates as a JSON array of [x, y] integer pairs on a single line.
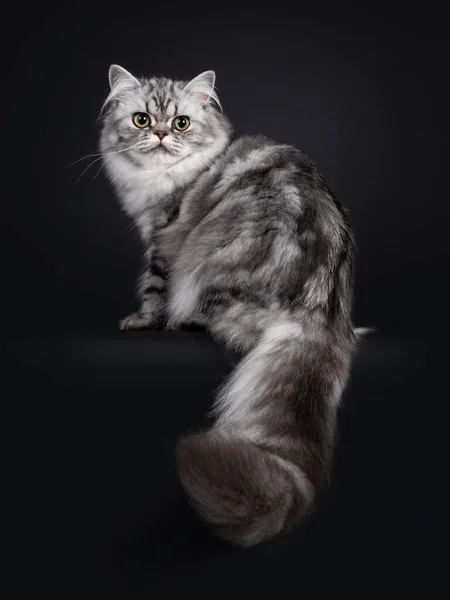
[[142, 119], [181, 123]]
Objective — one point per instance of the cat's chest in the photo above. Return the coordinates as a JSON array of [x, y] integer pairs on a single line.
[[145, 192]]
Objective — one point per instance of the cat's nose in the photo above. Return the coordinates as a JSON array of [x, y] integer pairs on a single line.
[[160, 133]]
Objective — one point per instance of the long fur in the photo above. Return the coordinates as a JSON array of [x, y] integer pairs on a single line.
[[243, 237]]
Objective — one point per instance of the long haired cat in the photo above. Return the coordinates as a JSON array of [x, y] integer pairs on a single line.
[[243, 237]]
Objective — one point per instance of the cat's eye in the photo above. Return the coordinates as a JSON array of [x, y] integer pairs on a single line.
[[141, 120], [181, 123]]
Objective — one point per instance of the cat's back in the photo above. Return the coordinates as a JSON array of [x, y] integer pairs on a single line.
[[263, 219], [259, 179], [262, 166], [258, 192]]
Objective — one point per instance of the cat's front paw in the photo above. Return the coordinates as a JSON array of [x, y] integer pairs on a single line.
[[137, 321]]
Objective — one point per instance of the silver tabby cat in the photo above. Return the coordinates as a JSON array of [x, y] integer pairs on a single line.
[[243, 237]]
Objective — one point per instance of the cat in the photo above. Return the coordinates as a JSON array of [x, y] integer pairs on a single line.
[[243, 238]]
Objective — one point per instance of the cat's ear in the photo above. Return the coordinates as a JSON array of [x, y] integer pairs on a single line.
[[121, 78], [202, 88]]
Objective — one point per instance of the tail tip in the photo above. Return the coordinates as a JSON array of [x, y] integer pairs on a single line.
[[241, 490]]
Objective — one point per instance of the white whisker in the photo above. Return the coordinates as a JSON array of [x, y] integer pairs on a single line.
[[83, 158], [106, 156], [89, 165], [101, 167]]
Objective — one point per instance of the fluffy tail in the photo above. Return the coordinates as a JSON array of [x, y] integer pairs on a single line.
[[256, 471]]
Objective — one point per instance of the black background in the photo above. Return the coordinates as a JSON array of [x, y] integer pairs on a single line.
[[90, 415]]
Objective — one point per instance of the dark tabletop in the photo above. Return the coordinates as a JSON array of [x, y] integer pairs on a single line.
[[89, 422]]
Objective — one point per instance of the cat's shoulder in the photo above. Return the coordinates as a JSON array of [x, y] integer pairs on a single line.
[[259, 150], [240, 147]]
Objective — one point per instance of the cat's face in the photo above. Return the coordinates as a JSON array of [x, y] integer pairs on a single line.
[[156, 123]]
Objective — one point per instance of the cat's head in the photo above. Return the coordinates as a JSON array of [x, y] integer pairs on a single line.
[[157, 122]]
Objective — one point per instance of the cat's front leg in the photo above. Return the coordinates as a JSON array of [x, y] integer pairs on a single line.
[[196, 322], [151, 291]]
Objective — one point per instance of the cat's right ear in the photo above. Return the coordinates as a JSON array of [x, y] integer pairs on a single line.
[[121, 78]]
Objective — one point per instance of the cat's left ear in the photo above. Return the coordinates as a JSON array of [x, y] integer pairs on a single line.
[[202, 87]]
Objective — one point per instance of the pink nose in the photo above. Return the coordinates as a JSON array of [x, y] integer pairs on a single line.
[[160, 134]]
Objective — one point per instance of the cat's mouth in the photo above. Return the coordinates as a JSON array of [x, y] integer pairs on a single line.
[[159, 148]]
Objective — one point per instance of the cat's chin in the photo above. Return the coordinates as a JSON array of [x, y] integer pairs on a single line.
[[162, 150], [159, 149], [161, 159]]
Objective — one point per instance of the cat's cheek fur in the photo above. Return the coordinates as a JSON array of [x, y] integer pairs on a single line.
[[246, 239]]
